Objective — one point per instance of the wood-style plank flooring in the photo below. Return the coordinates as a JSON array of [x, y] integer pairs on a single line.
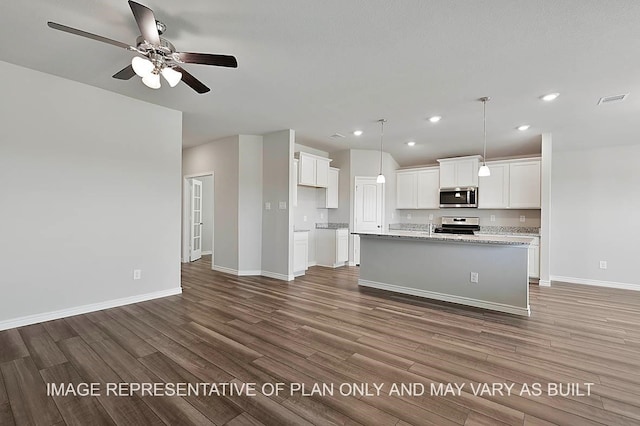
[[322, 328]]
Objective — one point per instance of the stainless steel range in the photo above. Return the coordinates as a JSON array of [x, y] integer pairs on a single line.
[[459, 225]]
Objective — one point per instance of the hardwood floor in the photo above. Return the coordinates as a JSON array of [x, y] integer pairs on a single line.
[[322, 328]]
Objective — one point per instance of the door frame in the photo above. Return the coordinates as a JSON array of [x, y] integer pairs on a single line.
[[186, 214]]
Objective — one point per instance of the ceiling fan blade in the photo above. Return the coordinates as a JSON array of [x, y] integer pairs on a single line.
[[125, 73], [191, 81], [146, 22], [76, 31], [208, 59]]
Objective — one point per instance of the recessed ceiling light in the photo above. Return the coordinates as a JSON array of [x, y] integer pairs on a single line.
[[523, 127], [435, 118], [550, 97], [358, 132], [411, 143]]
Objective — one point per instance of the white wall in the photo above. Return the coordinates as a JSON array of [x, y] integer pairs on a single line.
[[89, 193], [277, 224], [503, 217], [594, 215], [207, 213], [221, 157]]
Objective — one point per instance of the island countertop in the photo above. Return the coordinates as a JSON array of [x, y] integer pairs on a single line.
[[473, 239]]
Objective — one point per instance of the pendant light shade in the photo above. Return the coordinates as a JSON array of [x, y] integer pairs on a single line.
[[381, 178], [484, 169]]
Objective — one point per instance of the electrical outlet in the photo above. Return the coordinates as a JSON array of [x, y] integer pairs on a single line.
[[522, 218], [322, 215], [393, 215], [408, 215], [474, 277], [282, 205], [603, 264], [431, 217], [137, 274], [267, 206], [493, 218], [304, 218]]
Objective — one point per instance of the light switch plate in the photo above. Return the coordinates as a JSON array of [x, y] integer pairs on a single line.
[[493, 218], [304, 218], [522, 218], [267, 206], [408, 215], [137, 274], [283, 205], [431, 217]]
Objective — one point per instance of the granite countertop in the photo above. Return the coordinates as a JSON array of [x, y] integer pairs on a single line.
[[477, 239], [332, 225], [516, 231]]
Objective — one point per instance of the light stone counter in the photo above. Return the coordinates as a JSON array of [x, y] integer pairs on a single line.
[[474, 239]]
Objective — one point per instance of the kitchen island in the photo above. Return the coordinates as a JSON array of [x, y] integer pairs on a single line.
[[443, 266]]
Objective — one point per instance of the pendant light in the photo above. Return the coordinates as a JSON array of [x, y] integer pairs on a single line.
[[380, 178], [484, 169]]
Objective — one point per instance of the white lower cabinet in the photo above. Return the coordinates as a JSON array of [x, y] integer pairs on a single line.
[[534, 258], [332, 247], [300, 253]]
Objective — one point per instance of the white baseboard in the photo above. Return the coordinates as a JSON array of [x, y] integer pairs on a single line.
[[598, 283], [516, 310], [335, 265], [277, 276], [249, 273], [352, 263], [544, 283], [224, 269], [206, 253], [310, 264], [63, 313]]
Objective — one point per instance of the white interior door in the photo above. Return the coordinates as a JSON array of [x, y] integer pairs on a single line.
[[368, 210], [196, 220]]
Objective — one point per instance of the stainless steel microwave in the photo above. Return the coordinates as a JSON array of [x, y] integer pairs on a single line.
[[459, 197]]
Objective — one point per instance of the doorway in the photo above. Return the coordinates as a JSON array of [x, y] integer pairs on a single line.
[[368, 210], [197, 217]]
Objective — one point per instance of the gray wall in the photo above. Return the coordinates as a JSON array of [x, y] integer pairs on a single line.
[[90, 191], [221, 157], [207, 213], [277, 224], [250, 204], [594, 214]]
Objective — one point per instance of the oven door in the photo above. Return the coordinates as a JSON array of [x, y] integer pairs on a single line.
[[458, 197]]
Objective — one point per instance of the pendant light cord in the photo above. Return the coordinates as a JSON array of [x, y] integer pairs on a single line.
[[382, 120], [484, 125]]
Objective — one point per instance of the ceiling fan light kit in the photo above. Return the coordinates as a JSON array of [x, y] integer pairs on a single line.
[[159, 56]]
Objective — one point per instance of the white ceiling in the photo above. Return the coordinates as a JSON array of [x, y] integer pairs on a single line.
[[321, 67]]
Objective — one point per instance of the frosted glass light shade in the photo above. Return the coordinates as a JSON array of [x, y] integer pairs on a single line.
[[172, 76], [141, 66], [380, 178], [152, 81], [484, 171]]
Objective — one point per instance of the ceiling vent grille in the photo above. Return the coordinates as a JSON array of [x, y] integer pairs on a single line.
[[337, 136], [612, 99]]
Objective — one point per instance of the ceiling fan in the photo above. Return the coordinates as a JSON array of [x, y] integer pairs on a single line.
[[158, 55]]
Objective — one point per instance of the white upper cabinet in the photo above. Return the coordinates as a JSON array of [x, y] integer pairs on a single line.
[[493, 191], [418, 189], [524, 185], [459, 171], [513, 184], [313, 170], [407, 190], [429, 189], [328, 199]]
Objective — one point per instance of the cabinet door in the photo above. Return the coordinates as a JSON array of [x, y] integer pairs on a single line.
[[332, 189], [534, 262], [493, 191], [294, 179], [524, 185], [322, 172], [342, 245], [448, 175], [406, 190], [307, 170], [300, 254], [466, 173], [428, 189]]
